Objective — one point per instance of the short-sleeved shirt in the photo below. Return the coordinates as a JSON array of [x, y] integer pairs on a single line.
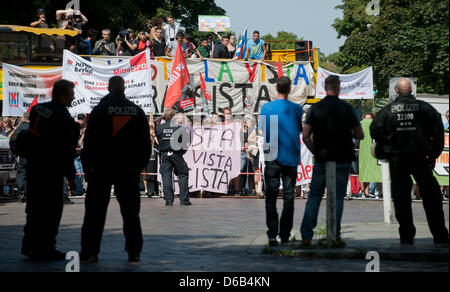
[[221, 52], [256, 49], [159, 49], [289, 126], [174, 45], [204, 52], [332, 121]]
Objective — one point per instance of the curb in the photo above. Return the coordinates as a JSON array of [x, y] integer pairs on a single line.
[[438, 254]]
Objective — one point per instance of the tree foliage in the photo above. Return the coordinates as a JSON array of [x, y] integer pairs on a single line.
[[115, 14], [410, 38]]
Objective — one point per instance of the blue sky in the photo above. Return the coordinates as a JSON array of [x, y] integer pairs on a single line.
[[308, 19]]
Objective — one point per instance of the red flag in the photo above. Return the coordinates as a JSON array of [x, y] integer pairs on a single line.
[[35, 102], [178, 79], [280, 68], [203, 88]]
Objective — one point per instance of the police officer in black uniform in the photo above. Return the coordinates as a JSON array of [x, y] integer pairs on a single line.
[[409, 133], [173, 144], [116, 149], [49, 146]]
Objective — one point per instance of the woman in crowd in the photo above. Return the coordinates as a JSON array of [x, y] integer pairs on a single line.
[[232, 45], [9, 129]]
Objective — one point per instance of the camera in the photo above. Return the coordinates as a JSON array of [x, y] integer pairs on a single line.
[[123, 35]]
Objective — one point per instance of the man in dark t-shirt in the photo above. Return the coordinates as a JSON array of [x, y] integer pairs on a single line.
[[159, 48], [221, 49], [328, 131]]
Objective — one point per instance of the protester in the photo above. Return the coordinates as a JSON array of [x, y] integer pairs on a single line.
[[191, 48], [232, 45], [159, 44], [2, 126], [126, 44], [151, 184], [368, 165], [171, 31], [71, 19], [281, 125], [49, 148], [203, 51], [155, 24], [115, 126], [41, 22], [8, 127], [173, 143], [105, 46], [409, 133], [447, 117], [329, 141], [221, 49], [256, 48], [21, 178], [144, 42], [85, 46], [172, 47], [79, 191]]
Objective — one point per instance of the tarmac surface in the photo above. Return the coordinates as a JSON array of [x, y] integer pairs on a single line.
[[228, 235]]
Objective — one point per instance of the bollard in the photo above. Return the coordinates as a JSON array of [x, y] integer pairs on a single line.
[[387, 202], [330, 174]]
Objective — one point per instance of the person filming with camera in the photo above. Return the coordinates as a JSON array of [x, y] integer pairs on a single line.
[[105, 46], [71, 19], [126, 44]]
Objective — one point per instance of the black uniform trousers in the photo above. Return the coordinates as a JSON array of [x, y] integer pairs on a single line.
[[152, 180], [98, 194], [172, 162], [21, 179], [44, 208], [401, 168]]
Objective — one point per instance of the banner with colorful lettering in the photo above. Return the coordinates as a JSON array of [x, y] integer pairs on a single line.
[[91, 80], [21, 85], [243, 86]]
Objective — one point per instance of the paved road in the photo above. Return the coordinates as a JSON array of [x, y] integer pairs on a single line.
[[212, 235]]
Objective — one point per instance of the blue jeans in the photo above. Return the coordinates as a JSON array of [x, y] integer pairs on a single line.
[[78, 178], [317, 190]]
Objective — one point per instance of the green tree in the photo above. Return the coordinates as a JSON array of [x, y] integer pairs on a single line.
[[115, 14], [409, 38]]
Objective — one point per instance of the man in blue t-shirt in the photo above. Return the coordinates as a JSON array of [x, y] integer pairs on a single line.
[[256, 49], [281, 124]]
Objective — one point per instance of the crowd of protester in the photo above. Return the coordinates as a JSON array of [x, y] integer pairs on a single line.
[[245, 184], [161, 39]]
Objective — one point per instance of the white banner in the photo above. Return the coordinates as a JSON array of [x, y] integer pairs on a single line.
[[91, 80], [21, 85], [353, 86], [305, 169], [213, 158], [243, 86]]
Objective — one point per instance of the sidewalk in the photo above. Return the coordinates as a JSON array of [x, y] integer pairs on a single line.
[[365, 237]]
